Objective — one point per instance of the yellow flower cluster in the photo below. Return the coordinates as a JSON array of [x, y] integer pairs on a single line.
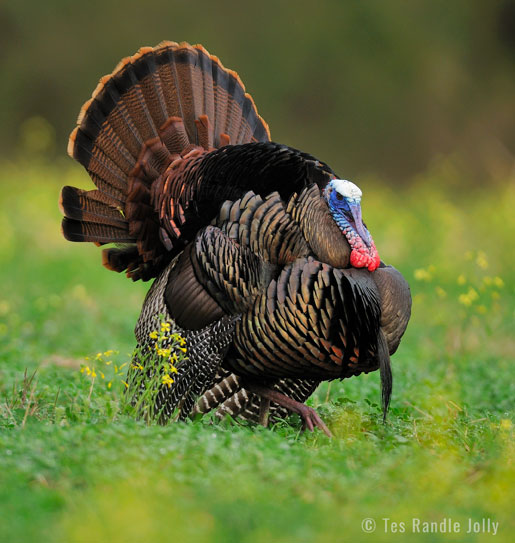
[[170, 349], [163, 352], [468, 298], [425, 274], [481, 260], [165, 335], [440, 292], [165, 327], [172, 353], [505, 424], [493, 281], [167, 380], [92, 370], [89, 372], [479, 286], [479, 292]]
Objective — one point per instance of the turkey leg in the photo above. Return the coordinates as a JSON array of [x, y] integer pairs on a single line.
[[264, 411], [310, 417]]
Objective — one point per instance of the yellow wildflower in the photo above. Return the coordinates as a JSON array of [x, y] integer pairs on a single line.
[[167, 380], [153, 335], [163, 352], [481, 260], [464, 299], [505, 424], [469, 298], [173, 369], [165, 327], [93, 374], [422, 274], [498, 282], [440, 292], [126, 384], [98, 356], [109, 384]]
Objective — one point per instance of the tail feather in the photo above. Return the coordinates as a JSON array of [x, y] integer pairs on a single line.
[[174, 135], [92, 216], [220, 82], [151, 87], [131, 105], [90, 206], [233, 109], [118, 259], [189, 82], [154, 107], [74, 230], [206, 64]]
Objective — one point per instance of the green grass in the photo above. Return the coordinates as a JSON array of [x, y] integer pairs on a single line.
[[72, 468]]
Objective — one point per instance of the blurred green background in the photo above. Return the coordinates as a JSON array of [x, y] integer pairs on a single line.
[[378, 87], [413, 100]]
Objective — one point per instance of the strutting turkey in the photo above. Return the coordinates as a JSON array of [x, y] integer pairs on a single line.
[[261, 258]]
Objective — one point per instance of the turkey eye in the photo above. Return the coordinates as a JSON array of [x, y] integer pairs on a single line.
[[339, 196]]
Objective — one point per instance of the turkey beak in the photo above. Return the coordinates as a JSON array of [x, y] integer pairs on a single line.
[[355, 209]]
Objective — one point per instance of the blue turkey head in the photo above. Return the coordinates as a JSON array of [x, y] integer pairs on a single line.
[[344, 200]]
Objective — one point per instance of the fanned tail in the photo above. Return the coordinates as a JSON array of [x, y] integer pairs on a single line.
[[158, 107]]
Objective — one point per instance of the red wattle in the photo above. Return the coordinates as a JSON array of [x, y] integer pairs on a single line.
[[357, 259], [374, 258], [364, 257]]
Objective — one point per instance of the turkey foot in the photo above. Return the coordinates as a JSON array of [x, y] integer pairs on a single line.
[[310, 417]]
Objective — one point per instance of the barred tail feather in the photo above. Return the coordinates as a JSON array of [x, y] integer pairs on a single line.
[[154, 105], [131, 105]]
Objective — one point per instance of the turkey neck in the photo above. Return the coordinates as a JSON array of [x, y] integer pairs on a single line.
[[321, 232]]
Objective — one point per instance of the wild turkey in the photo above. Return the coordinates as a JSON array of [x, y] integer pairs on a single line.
[[263, 262]]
